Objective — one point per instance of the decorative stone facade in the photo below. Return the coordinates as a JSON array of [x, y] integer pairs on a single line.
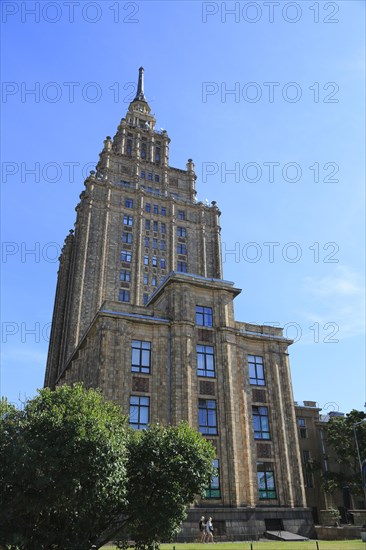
[[142, 311]]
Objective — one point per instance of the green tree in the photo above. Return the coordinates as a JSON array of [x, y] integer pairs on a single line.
[[73, 475], [340, 438], [167, 469], [62, 469]]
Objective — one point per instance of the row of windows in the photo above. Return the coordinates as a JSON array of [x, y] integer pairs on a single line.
[[140, 416], [155, 209], [128, 220], [149, 176]]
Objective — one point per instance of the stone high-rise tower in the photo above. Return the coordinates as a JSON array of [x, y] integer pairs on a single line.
[[142, 312]]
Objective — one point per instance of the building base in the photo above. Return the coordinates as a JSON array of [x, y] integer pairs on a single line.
[[248, 523]]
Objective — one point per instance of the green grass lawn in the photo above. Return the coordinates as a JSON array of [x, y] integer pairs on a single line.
[[269, 545]]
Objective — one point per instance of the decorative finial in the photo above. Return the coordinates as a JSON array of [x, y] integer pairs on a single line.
[[140, 96]]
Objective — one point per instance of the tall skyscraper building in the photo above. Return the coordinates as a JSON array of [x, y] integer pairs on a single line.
[[142, 311]]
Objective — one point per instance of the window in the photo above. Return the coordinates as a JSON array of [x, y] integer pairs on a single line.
[[205, 361], [266, 481], [256, 370], [163, 227], [141, 356], [181, 231], [147, 241], [162, 263], [129, 146], [156, 209], [157, 154], [146, 259], [155, 226], [207, 420], [129, 203], [143, 150], [302, 427], [145, 299], [154, 261], [181, 248], [213, 490], [146, 278], [125, 275], [150, 177], [153, 280], [182, 267], [162, 245], [156, 192], [127, 220], [147, 207], [181, 215], [204, 316], [155, 243], [260, 423], [126, 256], [147, 225], [139, 412], [142, 174], [124, 295], [127, 238], [309, 481], [157, 178], [163, 211]]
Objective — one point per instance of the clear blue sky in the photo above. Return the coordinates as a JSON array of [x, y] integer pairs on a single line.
[[291, 132]]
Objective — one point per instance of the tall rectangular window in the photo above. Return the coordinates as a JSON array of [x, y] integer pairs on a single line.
[[181, 248], [256, 370], [163, 227], [124, 295], [154, 261], [155, 243], [213, 490], [147, 207], [145, 299], [162, 263], [125, 275], [266, 481], [301, 422], [204, 316], [308, 476], [127, 238], [154, 280], [147, 225], [146, 278], [155, 226], [181, 215], [141, 356], [146, 259], [156, 209], [205, 361], [147, 241], [129, 203], [182, 267], [126, 256], [162, 245], [261, 423], [139, 411], [163, 211], [142, 174], [207, 418], [181, 231], [127, 220], [157, 154], [157, 178]]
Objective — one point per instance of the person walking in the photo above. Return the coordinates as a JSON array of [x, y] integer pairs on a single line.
[[202, 526], [209, 531]]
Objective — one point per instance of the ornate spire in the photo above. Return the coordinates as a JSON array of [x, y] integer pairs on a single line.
[[140, 96]]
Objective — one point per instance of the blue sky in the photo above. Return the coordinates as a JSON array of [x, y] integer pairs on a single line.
[[266, 98]]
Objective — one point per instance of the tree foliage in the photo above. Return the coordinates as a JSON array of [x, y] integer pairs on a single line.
[[167, 468], [341, 439], [62, 469], [73, 475]]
